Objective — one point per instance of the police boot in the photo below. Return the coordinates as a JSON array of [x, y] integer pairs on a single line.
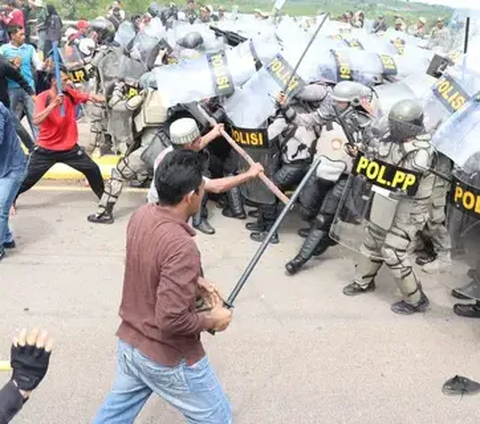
[[258, 225], [269, 213], [304, 232], [467, 292], [365, 273], [425, 258], [414, 299], [441, 264], [468, 311], [105, 217], [306, 252], [405, 308], [234, 208]]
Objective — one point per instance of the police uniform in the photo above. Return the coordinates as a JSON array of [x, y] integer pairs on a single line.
[[131, 167], [435, 229], [394, 223], [294, 134], [323, 193]]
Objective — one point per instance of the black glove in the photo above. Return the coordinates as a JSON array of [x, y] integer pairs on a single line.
[[30, 365]]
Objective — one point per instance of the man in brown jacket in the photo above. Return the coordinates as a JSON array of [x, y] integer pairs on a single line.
[[159, 337]]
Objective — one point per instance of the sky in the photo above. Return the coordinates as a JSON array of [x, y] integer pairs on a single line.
[[470, 4]]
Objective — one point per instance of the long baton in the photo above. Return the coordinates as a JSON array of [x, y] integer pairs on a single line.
[[58, 77], [261, 250], [267, 181], [305, 52]]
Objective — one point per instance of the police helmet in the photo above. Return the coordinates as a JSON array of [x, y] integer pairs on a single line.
[[406, 120], [104, 29], [192, 40], [351, 92]]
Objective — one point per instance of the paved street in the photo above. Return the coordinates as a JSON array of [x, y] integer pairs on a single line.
[[298, 351]]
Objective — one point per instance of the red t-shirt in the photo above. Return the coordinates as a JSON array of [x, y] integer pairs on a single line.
[[57, 132]]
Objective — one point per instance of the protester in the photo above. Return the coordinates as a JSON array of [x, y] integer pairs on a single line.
[[21, 102], [159, 348], [184, 134], [12, 173], [53, 27], [15, 15], [58, 137], [29, 358], [7, 70], [117, 11], [41, 25], [35, 6]]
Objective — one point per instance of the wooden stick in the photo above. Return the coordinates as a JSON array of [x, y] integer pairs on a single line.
[[267, 181]]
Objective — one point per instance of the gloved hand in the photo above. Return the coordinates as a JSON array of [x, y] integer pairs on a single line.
[[29, 358]]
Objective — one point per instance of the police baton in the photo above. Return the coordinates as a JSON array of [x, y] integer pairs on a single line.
[[261, 250], [305, 51], [267, 181]]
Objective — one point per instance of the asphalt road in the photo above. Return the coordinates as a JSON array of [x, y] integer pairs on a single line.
[[298, 351]]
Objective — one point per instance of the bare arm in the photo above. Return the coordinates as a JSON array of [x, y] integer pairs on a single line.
[[214, 133], [43, 114], [220, 185]]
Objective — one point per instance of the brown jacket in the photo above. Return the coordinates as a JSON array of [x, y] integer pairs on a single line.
[[160, 288]]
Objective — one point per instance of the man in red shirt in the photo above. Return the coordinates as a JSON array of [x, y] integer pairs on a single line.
[[58, 135]]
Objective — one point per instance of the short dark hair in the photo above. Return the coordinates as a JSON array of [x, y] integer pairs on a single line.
[[179, 173], [13, 29]]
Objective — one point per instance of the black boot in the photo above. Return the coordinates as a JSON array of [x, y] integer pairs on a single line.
[[258, 225], [261, 236], [404, 308], [355, 289], [425, 258], [468, 311], [201, 224], [304, 232], [253, 213], [200, 220], [306, 252], [105, 217], [234, 208]]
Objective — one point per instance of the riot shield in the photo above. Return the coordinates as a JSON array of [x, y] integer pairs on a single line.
[[208, 76], [125, 34], [463, 223], [372, 198], [449, 94], [257, 143], [457, 137], [252, 104]]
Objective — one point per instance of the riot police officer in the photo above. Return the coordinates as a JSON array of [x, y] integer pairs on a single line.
[[322, 194], [293, 135], [395, 221]]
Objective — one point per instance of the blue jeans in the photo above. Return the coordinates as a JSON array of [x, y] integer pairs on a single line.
[[9, 186], [21, 104], [193, 390]]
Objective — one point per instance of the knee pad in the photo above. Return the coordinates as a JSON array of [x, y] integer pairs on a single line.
[[323, 221]]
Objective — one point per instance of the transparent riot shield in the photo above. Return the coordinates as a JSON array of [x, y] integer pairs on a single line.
[[413, 87], [375, 192], [457, 137], [463, 223], [252, 104], [125, 34], [449, 94], [202, 78]]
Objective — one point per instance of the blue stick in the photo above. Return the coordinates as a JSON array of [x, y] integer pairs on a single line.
[[58, 77]]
